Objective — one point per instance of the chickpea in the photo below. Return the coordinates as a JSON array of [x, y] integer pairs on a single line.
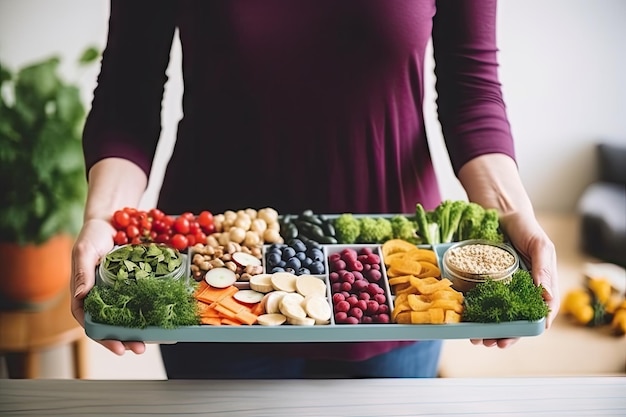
[[268, 214], [251, 239], [243, 222], [274, 226], [272, 236], [218, 221], [211, 240], [223, 239], [258, 225], [252, 213], [230, 216], [236, 234]]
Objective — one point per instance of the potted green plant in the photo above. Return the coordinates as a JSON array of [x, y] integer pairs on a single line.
[[43, 178]]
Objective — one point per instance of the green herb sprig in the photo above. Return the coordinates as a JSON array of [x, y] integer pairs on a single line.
[[164, 303], [497, 301]]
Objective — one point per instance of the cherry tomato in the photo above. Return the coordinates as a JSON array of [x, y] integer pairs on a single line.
[[191, 239], [121, 219], [193, 227], [188, 215], [132, 231], [156, 214], [208, 229], [136, 240], [146, 224], [158, 226], [205, 218], [152, 235], [200, 237], [179, 241], [169, 221], [162, 238], [181, 225], [120, 238]]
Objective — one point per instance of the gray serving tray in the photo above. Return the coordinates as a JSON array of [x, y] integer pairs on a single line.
[[326, 333], [320, 333]]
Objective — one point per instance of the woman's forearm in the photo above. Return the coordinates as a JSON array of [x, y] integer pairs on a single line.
[[114, 183], [493, 181]]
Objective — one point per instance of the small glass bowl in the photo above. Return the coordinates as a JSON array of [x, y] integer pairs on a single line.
[[471, 262], [109, 278]]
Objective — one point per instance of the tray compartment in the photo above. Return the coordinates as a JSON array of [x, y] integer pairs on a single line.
[[356, 292]]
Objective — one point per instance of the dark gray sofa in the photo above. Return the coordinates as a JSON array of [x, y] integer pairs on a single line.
[[602, 207]]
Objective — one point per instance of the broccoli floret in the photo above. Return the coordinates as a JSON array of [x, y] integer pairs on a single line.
[[489, 228], [375, 230], [347, 228], [403, 228], [470, 221], [498, 301], [427, 226]]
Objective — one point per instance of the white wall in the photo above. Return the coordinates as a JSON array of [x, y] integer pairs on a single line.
[[561, 67]]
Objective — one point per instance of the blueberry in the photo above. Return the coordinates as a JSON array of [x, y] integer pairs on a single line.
[[275, 246], [298, 245], [306, 262], [316, 254], [301, 256], [277, 269], [290, 270], [294, 263], [282, 263], [288, 253], [317, 267], [304, 271], [273, 259]]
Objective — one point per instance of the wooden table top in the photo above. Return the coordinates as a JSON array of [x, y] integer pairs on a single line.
[[584, 396]]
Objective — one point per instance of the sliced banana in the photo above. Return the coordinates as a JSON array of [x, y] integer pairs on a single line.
[[318, 308], [271, 319], [272, 303], [284, 281], [248, 296], [310, 285], [301, 321], [291, 305], [261, 283]]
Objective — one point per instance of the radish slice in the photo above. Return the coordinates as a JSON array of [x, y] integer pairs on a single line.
[[220, 277], [248, 296], [245, 259]]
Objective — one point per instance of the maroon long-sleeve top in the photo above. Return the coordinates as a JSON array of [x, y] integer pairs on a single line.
[[308, 104]]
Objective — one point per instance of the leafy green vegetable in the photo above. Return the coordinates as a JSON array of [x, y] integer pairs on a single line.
[[427, 225], [165, 303], [136, 262], [454, 221], [497, 301], [41, 162]]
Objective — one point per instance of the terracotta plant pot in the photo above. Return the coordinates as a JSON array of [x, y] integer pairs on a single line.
[[35, 273]]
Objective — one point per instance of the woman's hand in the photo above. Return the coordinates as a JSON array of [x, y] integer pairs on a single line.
[[538, 253], [113, 183], [94, 242], [493, 181]]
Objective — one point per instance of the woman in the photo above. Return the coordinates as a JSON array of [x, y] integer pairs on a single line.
[[302, 105]]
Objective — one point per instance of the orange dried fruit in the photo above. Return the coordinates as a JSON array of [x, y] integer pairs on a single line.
[[396, 245]]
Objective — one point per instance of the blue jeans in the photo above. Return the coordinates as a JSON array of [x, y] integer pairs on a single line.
[[199, 361]]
